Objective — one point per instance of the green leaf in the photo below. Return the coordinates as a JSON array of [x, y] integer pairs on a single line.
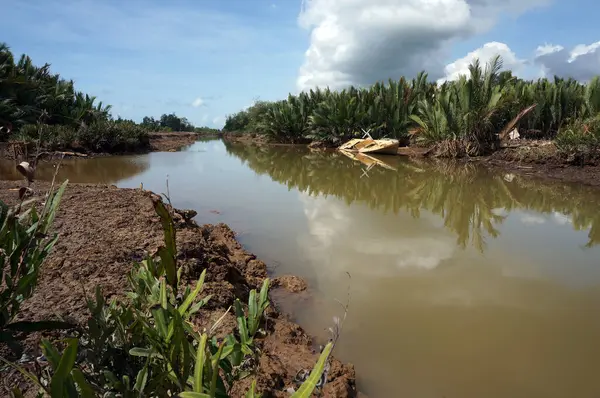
[[86, 389], [252, 312], [142, 376], [61, 373], [199, 366], [167, 254], [198, 305], [252, 391], [192, 296], [52, 207], [241, 320], [51, 353], [215, 371], [190, 394], [144, 352], [161, 321], [163, 295], [167, 260], [307, 388]]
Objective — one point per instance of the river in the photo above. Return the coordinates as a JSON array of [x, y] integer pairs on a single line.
[[463, 282]]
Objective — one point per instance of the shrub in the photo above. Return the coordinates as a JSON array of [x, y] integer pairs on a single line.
[[109, 136], [580, 141]]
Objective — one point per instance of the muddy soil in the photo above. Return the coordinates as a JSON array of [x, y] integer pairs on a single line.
[[541, 159], [165, 142], [104, 229]]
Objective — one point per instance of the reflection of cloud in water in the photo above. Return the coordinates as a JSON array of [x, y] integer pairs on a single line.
[[499, 211], [423, 252], [366, 242], [531, 219], [561, 219]]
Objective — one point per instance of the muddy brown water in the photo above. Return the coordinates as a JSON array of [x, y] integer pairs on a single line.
[[464, 282]]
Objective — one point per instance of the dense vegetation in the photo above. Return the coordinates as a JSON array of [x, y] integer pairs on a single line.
[[37, 105], [145, 346], [170, 122], [462, 117]]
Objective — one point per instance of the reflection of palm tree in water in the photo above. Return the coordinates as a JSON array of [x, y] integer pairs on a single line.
[[466, 197]]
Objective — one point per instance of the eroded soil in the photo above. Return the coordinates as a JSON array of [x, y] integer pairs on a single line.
[[103, 230], [165, 142], [541, 159]]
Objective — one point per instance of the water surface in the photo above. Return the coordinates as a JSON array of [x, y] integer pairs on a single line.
[[464, 283]]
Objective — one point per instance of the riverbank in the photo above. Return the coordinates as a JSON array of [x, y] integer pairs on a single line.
[[541, 159], [157, 142], [170, 142], [91, 253]]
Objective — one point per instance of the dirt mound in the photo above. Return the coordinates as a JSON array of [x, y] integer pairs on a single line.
[[104, 229]]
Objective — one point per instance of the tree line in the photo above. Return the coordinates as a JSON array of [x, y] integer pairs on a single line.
[[463, 117], [37, 105]]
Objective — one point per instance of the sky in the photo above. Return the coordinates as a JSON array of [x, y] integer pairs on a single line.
[[206, 59]]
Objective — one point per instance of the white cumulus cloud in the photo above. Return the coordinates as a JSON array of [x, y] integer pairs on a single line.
[[359, 42], [485, 53], [198, 102], [581, 62]]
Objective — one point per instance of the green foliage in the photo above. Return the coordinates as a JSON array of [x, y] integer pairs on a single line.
[[167, 122], [580, 140], [25, 242], [248, 325], [307, 388], [29, 94], [207, 130], [102, 136], [248, 120], [111, 136], [467, 114], [464, 110], [37, 105]]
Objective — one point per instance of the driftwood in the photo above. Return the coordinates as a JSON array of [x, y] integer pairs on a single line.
[[511, 125]]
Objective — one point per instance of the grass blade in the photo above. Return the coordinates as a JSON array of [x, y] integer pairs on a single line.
[[191, 394], [86, 389], [199, 367], [307, 388], [61, 374], [192, 296], [215, 372]]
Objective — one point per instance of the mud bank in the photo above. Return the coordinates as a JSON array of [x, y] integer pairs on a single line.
[[541, 159], [104, 229], [165, 142], [158, 142]]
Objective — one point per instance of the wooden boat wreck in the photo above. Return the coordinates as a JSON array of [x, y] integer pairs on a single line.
[[370, 146], [368, 160]]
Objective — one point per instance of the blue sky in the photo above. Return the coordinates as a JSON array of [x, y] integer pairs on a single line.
[[205, 59]]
